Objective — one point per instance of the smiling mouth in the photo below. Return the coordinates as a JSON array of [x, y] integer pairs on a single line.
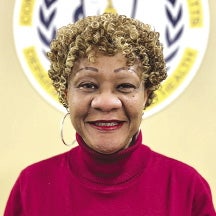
[[106, 125]]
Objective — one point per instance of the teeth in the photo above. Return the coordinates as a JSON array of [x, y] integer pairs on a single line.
[[106, 124]]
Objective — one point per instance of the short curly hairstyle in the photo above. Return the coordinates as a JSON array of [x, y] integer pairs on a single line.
[[108, 34]]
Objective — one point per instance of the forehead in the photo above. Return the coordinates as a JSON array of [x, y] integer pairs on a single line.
[[101, 62]]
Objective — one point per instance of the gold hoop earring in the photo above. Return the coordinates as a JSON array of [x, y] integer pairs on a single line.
[[62, 134]]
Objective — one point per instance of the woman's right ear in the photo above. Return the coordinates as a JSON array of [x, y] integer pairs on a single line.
[[66, 94], [146, 95]]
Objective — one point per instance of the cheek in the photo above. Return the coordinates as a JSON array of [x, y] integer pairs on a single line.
[[73, 99], [137, 102], [78, 107], [76, 115], [134, 107]]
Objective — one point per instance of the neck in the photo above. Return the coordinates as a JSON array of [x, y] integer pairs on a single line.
[[112, 168]]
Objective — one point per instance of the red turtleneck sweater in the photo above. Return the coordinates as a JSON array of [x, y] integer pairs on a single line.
[[133, 182]]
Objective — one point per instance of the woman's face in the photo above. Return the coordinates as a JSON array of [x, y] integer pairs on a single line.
[[106, 100]]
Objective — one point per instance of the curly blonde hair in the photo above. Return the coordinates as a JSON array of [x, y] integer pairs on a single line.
[[108, 34]]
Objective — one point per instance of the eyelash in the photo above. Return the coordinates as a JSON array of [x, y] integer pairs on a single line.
[[87, 86], [126, 87], [123, 87]]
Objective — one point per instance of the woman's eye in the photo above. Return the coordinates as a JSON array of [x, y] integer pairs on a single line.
[[126, 87], [87, 86]]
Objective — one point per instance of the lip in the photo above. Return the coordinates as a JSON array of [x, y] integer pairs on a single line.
[[106, 125]]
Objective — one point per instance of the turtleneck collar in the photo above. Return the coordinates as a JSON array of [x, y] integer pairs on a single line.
[[108, 169]]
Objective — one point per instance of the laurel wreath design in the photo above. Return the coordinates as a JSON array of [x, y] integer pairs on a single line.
[[46, 31], [174, 25], [173, 29]]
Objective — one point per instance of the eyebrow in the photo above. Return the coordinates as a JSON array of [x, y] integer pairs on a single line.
[[96, 70], [124, 68], [88, 68]]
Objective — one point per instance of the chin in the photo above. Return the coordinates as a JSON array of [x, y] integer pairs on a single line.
[[105, 149], [108, 152]]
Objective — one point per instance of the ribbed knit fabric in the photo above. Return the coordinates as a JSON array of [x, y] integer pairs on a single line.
[[133, 182]]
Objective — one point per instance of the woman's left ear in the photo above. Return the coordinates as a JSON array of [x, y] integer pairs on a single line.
[[146, 94], [66, 94]]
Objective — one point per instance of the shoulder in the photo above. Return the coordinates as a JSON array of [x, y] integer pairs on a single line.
[[47, 167], [184, 180], [173, 165], [177, 170]]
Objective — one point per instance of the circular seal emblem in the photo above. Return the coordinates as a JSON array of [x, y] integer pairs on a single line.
[[183, 26]]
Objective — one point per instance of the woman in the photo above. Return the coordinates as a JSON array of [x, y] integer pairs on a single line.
[[106, 69]]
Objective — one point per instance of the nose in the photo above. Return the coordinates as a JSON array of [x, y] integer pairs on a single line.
[[106, 102]]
